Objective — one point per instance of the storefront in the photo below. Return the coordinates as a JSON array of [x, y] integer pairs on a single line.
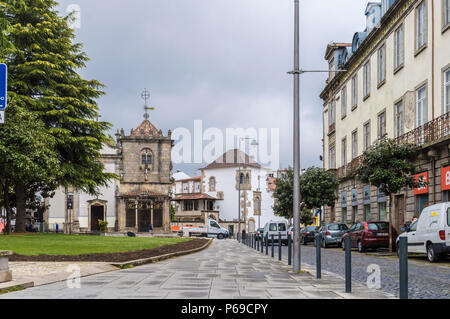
[[421, 193], [382, 212], [445, 183]]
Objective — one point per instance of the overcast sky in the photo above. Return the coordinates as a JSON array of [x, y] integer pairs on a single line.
[[220, 61]]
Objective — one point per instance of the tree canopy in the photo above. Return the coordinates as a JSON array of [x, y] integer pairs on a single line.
[[317, 188], [43, 62], [43, 77], [389, 166]]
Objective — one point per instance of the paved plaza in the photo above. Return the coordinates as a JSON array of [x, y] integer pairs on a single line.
[[225, 270]]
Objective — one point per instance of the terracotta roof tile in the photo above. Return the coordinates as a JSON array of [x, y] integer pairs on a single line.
[[146, 128]]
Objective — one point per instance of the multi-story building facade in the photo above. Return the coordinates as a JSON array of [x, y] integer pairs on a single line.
[[191, 205], [234, 171], [394, 82]]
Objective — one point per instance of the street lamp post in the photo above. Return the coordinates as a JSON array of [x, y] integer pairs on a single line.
[[254, 143], [296, 73], [296, 208]]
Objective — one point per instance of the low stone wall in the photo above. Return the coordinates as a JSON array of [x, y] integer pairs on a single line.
[[5, 273]]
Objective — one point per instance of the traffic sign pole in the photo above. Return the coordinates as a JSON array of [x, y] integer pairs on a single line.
[[3, 91]]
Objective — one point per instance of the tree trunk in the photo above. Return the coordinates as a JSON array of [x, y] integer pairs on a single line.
[[20, 208], [390, 223]]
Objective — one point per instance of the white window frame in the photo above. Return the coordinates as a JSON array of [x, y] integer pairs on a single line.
[[354, 144], [382, 64], [421, 25], [332, 157], [446, 13], [332, 112], [366, 132], [447, 90], [366, 71], [381, 124], [399, 119], [344, 152], [399, 54], [354, 91], [421, 106], [344, 102]]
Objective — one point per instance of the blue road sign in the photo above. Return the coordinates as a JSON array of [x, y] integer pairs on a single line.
[[3, 85]]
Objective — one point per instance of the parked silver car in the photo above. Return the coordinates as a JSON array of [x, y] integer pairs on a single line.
[[332, 234]]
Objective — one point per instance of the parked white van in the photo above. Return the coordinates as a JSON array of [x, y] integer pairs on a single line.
[[275, 228], [430, 234]]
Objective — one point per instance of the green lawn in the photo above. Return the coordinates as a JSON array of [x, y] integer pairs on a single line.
[[59, 244]]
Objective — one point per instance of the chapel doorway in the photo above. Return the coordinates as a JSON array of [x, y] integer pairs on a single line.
[[158, 214], [97, 213], [144, 217]]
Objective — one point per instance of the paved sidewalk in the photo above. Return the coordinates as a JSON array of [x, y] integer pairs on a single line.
[[42, 273], [225, 270]]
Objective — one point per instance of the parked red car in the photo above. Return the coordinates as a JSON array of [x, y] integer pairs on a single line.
[[370, 235]]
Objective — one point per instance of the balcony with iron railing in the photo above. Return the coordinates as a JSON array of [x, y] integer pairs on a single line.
[[431, 133]]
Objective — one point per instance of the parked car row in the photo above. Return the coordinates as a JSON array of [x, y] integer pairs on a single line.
[[429, 235]]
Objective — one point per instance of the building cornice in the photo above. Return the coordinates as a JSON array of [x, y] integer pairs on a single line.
[[395, 13]]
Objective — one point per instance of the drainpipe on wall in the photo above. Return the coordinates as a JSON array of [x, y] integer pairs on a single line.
[[433, 172], [432, 66]]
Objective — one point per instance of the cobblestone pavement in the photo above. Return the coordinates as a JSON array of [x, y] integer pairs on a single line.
[[426, 280], [225, 270]]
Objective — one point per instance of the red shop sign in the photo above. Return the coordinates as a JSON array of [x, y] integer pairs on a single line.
[[422, 190], [445, 178]]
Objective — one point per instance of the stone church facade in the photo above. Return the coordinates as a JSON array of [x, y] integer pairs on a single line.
[[138, 201]]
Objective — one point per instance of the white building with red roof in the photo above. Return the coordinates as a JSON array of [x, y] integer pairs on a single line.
[[221, 179]]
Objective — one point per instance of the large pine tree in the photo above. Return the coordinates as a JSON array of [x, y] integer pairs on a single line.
[[43, 76]]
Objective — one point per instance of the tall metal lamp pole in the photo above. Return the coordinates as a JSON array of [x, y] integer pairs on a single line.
[[296, 73]]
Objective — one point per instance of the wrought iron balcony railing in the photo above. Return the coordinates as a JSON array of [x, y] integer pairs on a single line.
[[429, 133]]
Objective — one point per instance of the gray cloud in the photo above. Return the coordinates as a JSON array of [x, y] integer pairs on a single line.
[[221, 61]]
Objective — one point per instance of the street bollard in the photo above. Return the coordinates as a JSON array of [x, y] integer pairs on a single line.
[[254, 242], [267, 244], [238, 238], [257, 243], [318, 257], [289, 250], [403, 262], [262, 244], [279, 246], [273, 247], [348, 265]]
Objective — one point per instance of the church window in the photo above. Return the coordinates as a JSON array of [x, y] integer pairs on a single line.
[[147, 158], [212, 184]]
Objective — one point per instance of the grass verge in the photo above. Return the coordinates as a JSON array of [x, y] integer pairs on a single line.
[[72, 245]]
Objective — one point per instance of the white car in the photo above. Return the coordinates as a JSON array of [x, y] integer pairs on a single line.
[[430, 234], [276, 228]]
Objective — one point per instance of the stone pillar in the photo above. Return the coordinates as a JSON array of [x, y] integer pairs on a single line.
[[5, 273], [151, 213], [136, 222]]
